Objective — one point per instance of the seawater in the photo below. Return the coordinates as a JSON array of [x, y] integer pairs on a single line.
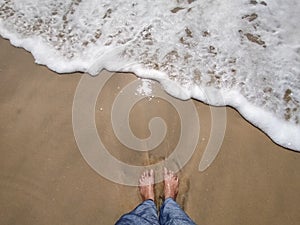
[[247, 51]]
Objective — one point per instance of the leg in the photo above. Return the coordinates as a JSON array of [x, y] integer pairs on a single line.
[[170, 212], [145, 213]]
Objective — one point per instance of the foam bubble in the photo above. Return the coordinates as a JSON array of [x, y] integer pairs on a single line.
[[248, 51]]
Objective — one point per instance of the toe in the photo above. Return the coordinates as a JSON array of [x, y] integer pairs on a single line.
[[165, 171], [152, 174]]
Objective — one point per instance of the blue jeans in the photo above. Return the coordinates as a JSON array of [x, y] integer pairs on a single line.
[[146, 214]]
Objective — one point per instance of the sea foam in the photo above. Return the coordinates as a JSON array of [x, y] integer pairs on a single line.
[[247, 51]]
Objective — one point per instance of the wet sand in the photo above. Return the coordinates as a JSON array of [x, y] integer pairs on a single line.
[[45, 180]]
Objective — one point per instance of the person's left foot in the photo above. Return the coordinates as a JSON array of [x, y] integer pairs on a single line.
[[146, 185]]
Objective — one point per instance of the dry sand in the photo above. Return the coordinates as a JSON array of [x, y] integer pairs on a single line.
[[45, 180]]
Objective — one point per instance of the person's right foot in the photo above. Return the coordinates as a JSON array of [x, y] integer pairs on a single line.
[[171, 184]]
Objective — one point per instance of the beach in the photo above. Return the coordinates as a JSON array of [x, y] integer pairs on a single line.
[[45, 180]]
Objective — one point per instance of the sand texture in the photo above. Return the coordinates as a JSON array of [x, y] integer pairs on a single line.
[[45, 180]]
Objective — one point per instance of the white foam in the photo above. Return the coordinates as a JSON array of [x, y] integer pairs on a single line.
[[145, 89], [248, 53]]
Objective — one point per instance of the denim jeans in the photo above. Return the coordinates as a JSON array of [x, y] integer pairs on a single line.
[[146, 214]]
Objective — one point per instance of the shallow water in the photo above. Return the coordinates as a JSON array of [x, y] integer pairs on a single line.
[[247, 52]]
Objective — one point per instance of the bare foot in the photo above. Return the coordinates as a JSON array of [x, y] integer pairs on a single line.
[[146, 185], [171, 184]]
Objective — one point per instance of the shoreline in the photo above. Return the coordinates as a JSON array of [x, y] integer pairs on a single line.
[[45, 180]]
